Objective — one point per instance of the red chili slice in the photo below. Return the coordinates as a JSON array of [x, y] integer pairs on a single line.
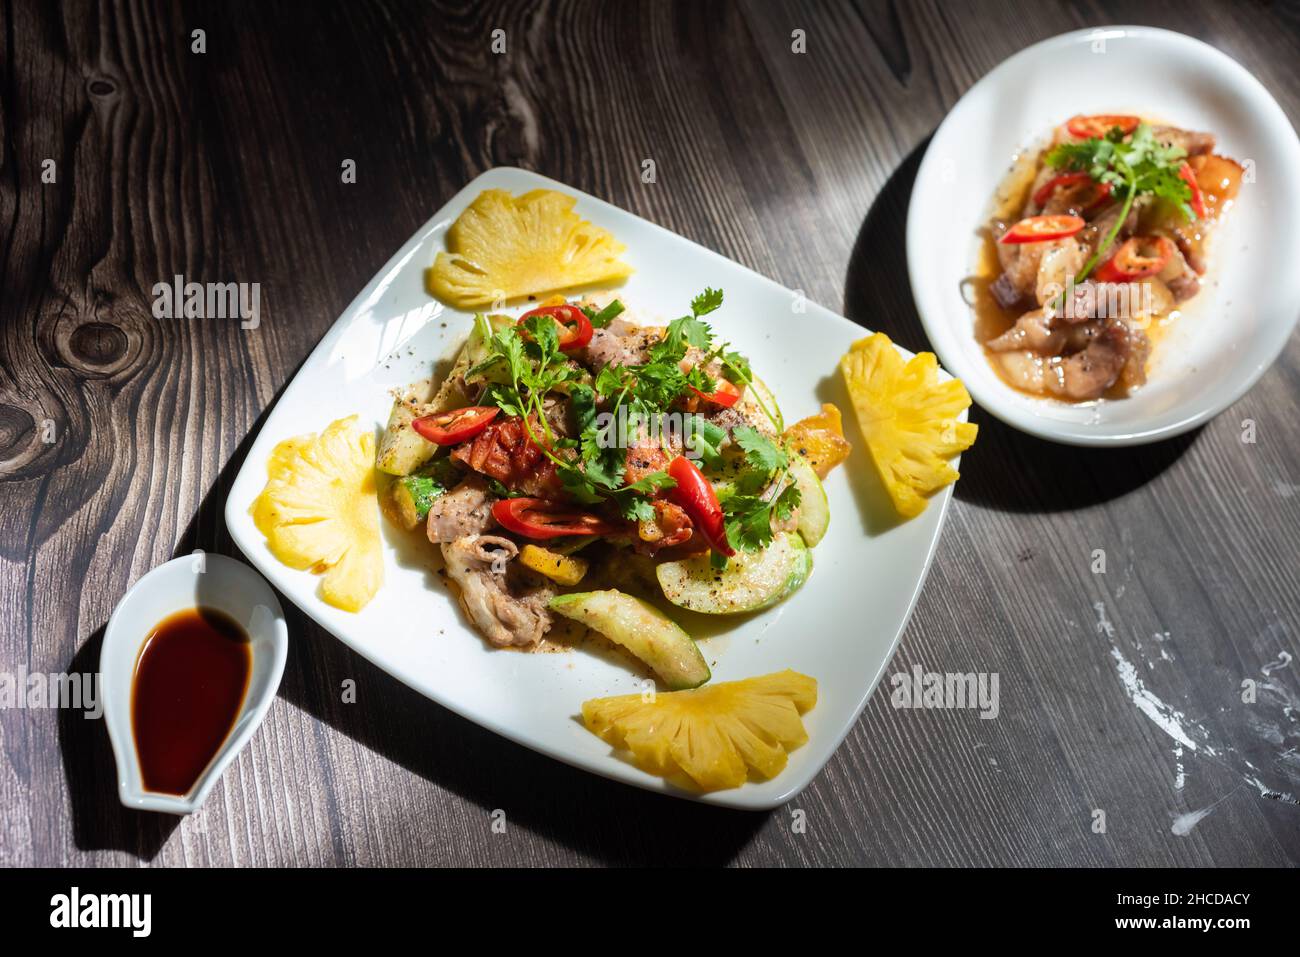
[[694, 494], [1090, 200], [1040, 229], [1087, 127], [454, 427], [724, 393], [538, 518], [1138, 258], [1198, 198], [576, 331]]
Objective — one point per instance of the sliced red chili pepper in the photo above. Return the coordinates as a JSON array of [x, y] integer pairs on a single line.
[[1088, 201], [1040, 229], [454, 427], [696, 496], [724, 393], [1087, 127], [1138, 258], [1198, 198], [577, 329], [538, 518]]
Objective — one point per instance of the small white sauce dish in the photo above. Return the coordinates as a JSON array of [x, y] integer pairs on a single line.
[[198, 580], [1229, 334]]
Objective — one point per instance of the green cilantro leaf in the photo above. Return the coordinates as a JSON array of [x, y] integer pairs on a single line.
[[763, 454], [706, 302], [748, 522]]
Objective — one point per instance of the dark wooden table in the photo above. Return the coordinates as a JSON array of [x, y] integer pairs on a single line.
[[119, 433]]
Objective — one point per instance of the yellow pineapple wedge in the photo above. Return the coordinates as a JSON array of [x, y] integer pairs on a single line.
[[909, 419], [505, 247], [319, 511], [709, 738]]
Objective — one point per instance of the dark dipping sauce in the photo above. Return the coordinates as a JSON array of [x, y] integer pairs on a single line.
[[189, 685]]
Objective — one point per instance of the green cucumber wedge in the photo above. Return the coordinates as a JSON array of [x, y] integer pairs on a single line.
[[814, 510], [757, 396], [643, 630], [402, 450], [751, 580], [413, 495]]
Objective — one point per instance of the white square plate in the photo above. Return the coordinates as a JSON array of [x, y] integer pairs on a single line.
[[841, 627]]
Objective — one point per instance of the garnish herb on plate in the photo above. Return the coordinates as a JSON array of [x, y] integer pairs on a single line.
[[1133, 167], [591, 467]]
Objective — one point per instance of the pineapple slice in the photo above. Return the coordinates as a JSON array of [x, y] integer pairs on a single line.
[[319, 511], [709, 738], [820, 439], [908, 417], [505, 247], [562, 569]]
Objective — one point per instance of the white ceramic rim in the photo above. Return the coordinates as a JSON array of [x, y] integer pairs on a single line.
[[997, 399]]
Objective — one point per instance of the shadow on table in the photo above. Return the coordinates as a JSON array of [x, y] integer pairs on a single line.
[[611, 822], [99, 821], [1007, 469]]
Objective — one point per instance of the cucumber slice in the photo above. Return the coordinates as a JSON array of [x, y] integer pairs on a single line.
[[402, 450], [751, 580], [758, 390], [643, 630], [414, 495], [814, 510]]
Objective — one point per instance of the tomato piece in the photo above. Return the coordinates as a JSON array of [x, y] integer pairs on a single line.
[[1088, 127], [724, 393], [1090, 198], [575, 330], [696, 497], [454, 427], [670, 527], [1198, 198], [1138, 258], [1041, 229], [538, 518]]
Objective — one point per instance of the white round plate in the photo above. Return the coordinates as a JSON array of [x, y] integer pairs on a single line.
[[1229, 334]]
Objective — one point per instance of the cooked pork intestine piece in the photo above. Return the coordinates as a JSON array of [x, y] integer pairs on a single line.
[[1179, 276], [465, 510], [621, 343], [1087, 374], [1004, 292], [1095, 233], [1058, 266], [1033, 332], [1022, 263], [1110, 347], [507, 612], [1193, 142]]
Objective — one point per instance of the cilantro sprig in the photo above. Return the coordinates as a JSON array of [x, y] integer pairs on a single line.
[[529, 364], [1138, 166], [764, 491]]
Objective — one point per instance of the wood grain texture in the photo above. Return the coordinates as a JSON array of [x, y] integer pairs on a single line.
[[119, 433]]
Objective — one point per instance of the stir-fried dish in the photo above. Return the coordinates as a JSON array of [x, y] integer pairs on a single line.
[[577, 464], [573, 435], [1096, 243]]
